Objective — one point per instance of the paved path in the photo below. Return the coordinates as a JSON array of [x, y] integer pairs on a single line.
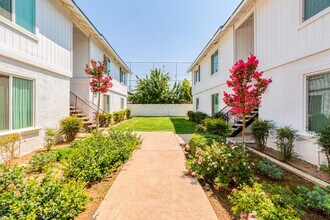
[[153, 186]]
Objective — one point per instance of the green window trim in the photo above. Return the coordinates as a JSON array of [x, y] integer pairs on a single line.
[[215, 103], [4, 103], [197, 104], [108, 64], [215, 62], [313, 7]]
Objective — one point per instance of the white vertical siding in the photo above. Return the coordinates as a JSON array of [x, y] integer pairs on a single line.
[[245, 39]]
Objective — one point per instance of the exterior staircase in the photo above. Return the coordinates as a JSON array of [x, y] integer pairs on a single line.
[[89, 124], [237, 123]]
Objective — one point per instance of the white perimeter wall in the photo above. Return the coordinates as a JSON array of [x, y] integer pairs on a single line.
[[160, 109]]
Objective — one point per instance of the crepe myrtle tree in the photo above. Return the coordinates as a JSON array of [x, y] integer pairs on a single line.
[[100, 82], [248, 86]]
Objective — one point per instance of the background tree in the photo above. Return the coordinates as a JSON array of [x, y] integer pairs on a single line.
[[185, 91], [248, 86], [100, 81]]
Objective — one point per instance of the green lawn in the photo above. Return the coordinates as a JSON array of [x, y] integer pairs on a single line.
[[179, 125]]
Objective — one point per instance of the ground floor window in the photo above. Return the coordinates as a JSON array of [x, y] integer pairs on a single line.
[[318, 101], [215, 103], [122, 103], [107, 103], [20, 109], [197, 104]]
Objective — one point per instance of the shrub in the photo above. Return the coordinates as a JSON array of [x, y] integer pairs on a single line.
[[42, 161], [265, 201], [200, 117], [218, 127], [122, 115], [318, 199], [64, 154], [97, 156], [219, 115], [260, 132], [202, 140], [48, 199], [268, 168], [105, 119], [224, 163], [191, 115], [285, 138], [9, 147], [128, 112], [200, 129], [116, 117], [50, 138], [324, 143], [70, 126]]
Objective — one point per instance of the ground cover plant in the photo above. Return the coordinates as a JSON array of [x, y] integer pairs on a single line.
[[270, 169]]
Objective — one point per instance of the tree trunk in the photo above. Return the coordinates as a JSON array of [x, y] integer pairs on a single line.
[[243, 129], [98, 112]]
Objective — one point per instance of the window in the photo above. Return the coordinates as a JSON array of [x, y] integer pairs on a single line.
[[108, 63], [197, 104], [214, 63], [312, 7], [22, 103], [318, 101], [107, 103], [22, 12], [215, 103], [122, 76], [122, 103], [197, 75]]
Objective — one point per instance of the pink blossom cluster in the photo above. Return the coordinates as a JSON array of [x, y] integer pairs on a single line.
[[249, 216]]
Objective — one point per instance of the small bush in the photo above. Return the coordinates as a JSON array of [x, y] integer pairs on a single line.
[[260, 132], [324, 143], [50, 138], [70, 126], [64, 154], [268, 168], [105, 119], [191, 115], [200, 129], [200, 117], [128, 112], [122, 115], [218, 127], [318, 199], [224, 163], [116, 117], [285, 138], [9, 148], [219, 115], [48, 199], [202, 140], [42, 161], [265, 201]]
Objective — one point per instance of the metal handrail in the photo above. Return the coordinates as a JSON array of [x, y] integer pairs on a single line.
[[76, 98]]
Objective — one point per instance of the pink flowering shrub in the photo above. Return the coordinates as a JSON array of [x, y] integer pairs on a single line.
[[222, 163]]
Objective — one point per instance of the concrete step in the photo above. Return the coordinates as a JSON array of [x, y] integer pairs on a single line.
[[80, 115]]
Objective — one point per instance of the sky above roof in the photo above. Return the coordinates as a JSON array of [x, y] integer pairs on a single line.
[[158, 30]]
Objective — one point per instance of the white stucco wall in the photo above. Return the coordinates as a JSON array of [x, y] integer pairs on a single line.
[[160, 109], [51, 101]]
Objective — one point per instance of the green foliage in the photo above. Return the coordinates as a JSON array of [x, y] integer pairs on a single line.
[[105, 119], [224, 163], [70, 126], [220, 115], [218, 127], [324, 143], [191, 115], [50, 138], [64, 154], [317, 199], [285, 138], [128, 112], [260, 132], [9, 147], [97, 156], [200, 117], [202, 140], [200, 129], [155, 89], [42, 161], [119, 116], [268, 168], [265, 201], [48, 199]]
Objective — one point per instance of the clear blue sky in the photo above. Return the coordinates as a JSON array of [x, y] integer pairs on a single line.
[[158, 30]]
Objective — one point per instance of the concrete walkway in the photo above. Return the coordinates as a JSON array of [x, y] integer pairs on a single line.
[[153, 185]]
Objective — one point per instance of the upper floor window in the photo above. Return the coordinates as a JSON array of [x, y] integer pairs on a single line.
[[108, 64], [22, 12], [122, 76], [197, 75], [312, 7], [214, 62]]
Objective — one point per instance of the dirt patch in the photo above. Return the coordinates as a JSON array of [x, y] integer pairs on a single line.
[[300, 164]]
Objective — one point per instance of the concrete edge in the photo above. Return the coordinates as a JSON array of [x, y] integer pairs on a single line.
[[292, 169]]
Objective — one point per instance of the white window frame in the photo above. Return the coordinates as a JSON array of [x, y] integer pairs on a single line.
[[10, 115], [212, 62], [304, 22], [122, 103], [197, 104]]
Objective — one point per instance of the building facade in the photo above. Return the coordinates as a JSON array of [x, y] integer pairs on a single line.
[[39, 62], [292, 42]]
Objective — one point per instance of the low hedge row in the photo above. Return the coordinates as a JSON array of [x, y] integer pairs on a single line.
[[106, 118]]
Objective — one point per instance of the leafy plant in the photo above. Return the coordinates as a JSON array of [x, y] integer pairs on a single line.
[[200, 129], [217, 127], [317, 199], [128, 112], [105, 119], [202, 140], [70, 126], [265, 201], [260, 132], [63, 155], [50, 138], [200, 117], [9, 147], [42, 161], [285, 138], [224, 163], [324, 143], [268, 168], [191, 115]]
